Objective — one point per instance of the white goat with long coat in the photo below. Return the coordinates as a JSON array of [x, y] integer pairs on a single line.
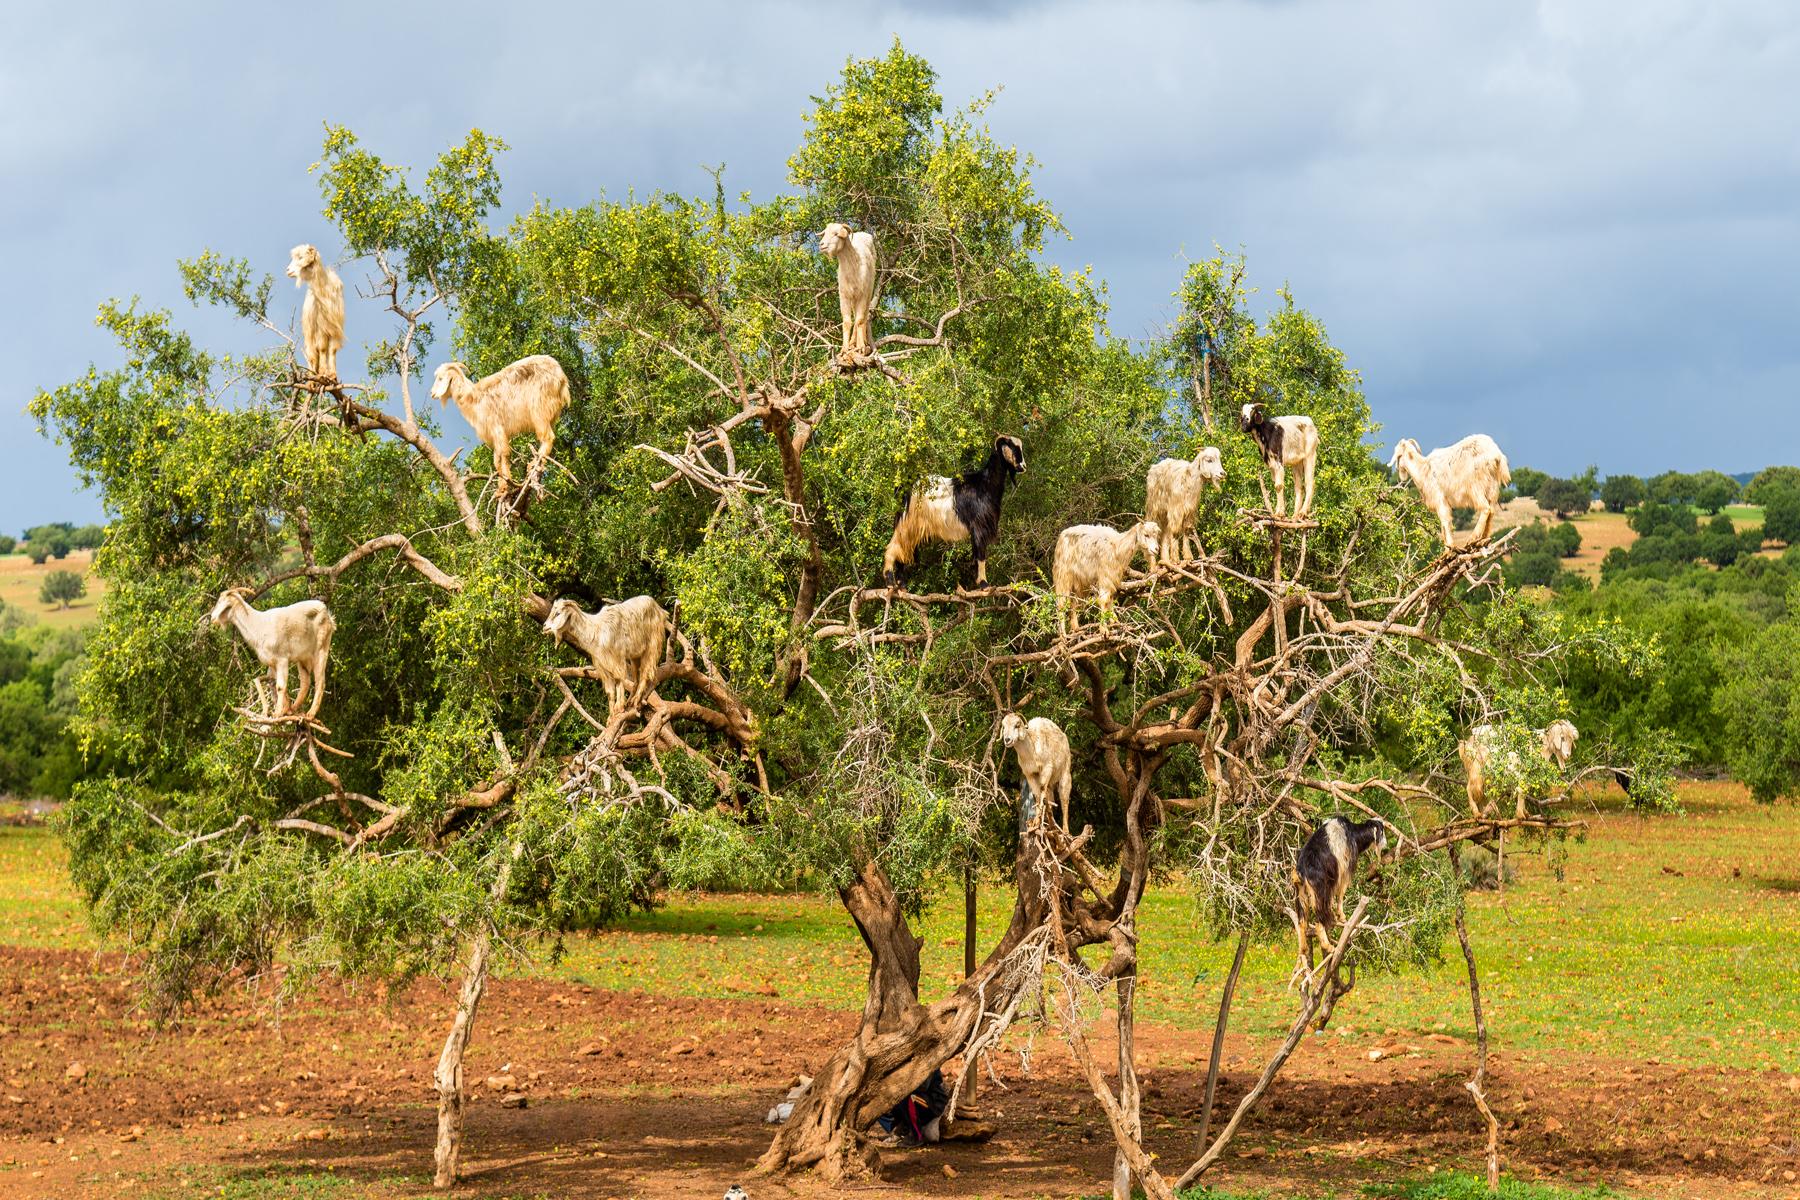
[[1469, 474], [624, 641], [526, 395], [1044, 761], [295, 634], [854, 254], [321, 313], [1091, 561], [1172, 497], [1485, 750]]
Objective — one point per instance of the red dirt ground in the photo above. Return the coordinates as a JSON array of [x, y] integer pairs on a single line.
[[634, 1095]]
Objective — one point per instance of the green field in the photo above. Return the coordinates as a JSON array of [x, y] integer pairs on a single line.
[[1667, 938]]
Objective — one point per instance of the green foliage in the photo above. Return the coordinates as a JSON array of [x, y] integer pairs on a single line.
[[1771, 479], [1671, 487], [1781, 514], [1758, 705], [1564, 496], [8, 544], [1527, 480], [88, 537], [1459, 1185], [61, 587], [1621, 492], [1713, 490]]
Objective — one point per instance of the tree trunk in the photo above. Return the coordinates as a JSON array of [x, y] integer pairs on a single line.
[[1129, 1096], [971, 1067], [449, 1073], [899, 1041]]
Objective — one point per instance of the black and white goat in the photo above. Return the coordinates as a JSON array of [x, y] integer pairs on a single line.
[[1322, 873], [1288, 443], [966, 508]]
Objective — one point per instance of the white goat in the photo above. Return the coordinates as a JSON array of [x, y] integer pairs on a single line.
[[299, 634], [1172, 497], [1287, 443], [854, 254], [528, 394], [1469, 474], [321, 313], [624, 641], [1044, 761], [1485, 750], [1090, 562]]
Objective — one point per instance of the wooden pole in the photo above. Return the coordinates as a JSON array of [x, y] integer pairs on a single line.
[[1218, 1045]]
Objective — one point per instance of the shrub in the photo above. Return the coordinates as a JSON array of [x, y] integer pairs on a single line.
[[8, 544], [88, 537], [1537, 569], [1621, 492], [1564, 496], [1781, 514], [1566, 539], [38, 551], [62, 587], [1661, 517]]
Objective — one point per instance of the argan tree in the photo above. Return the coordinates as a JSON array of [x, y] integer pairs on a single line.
[[466, 782]]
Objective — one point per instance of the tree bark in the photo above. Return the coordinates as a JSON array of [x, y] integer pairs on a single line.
[[899, 1041], [1478, 1086], [1130, 1098], [449, 1073]]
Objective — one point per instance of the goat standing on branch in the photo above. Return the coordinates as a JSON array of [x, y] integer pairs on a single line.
[[966, 508], [854, 254], [1485, 750], [526, 395], [1172, 497], [1091, 561], [1288, 443], [624, 641], [321, 313], [1044, 761], [299, 634], [1469, 474], [1322, 873]]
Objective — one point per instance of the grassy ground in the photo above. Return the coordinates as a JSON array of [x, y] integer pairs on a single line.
[[20, 579], [1665, 938]]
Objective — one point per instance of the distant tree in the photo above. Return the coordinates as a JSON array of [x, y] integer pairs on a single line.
[[88, 537], [1750, 540], [8, 544], [1621, 492], [1781, 514], [1769, 479], [1564, 497], [60, 545], [1713, 490], [1661, 517], [1671, 487], [1462, 518], [1566, 540], [39, 552], [1537, 569], [43, 533], [1758, 704], [1527, 481], [61, 588], [1589, 480]]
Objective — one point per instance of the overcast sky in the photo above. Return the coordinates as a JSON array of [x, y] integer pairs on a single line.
[[1573, 226]]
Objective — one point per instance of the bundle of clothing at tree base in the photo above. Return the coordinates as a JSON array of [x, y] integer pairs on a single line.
[[918, 1119]]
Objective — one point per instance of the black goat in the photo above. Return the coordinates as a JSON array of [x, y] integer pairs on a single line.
[[966, 508], [1322, 872]]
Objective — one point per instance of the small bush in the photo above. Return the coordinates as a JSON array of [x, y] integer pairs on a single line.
[[1563, 497]]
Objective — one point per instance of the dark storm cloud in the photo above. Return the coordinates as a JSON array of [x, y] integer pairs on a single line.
[[1570, 225]]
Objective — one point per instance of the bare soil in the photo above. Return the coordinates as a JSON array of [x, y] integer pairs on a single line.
[[638, 1095]]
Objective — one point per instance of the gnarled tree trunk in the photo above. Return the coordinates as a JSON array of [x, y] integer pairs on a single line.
[[899, 1041]]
